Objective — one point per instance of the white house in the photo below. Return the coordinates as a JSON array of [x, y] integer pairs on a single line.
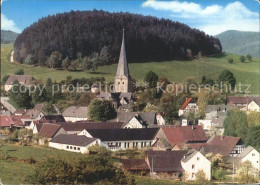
[[252, 155], [160, 119], [134, 123], [205, 123], [75, 113], [122, 139], [193, 162], [31, 115], [188, 107], [254, 105], [74, 143]]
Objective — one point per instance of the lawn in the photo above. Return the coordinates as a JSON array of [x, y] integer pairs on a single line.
[[16, 171], [175, 71]]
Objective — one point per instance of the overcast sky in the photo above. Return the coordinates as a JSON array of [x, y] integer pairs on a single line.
[[210, 16]]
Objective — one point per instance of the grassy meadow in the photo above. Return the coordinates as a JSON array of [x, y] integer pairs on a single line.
[[175, 71], [15, 169]]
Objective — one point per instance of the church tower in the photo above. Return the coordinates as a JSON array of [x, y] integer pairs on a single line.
[[123, 80]]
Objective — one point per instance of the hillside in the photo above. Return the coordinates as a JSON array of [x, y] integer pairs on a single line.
[[239, 42], [88, 32], [175, 70], [8, 36]]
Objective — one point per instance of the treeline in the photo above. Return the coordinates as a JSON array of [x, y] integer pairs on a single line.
[[247, 126], [80, 34]]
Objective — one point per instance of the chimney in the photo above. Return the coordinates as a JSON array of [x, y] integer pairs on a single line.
[[222, 136]]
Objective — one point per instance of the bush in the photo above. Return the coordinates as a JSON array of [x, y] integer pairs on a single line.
[[19, 72], [242, 58], [230, 61]]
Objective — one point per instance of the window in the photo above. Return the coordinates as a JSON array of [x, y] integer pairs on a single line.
[[133, 144], [68, 147], [116, 144], [198, 158], [253, 154], [136, 144], [125, 144], [150, 143], [123, 82], [120, 144], [78, 148], [193, 166], [128, 145], [118, 83], [75, 148]]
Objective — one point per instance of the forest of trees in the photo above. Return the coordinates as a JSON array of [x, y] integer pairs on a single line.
[[86, 33]]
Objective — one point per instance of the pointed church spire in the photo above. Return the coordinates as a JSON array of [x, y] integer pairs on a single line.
[[122, 68]]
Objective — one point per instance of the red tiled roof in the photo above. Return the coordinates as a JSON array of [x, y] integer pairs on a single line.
[[196, 146], [49, 130], [184, 105], [17, 120], [185, 134], [222, 145], [6, 121]]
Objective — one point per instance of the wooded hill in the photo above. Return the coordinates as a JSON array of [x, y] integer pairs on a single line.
[[147, 38], [8, 36], [240, 42]]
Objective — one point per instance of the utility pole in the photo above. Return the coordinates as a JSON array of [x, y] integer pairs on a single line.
[[233, 170]]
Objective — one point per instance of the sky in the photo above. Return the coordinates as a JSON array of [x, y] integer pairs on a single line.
[[210, 16]]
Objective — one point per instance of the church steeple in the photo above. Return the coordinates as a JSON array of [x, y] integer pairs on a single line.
[[122, 68], [123, 81]]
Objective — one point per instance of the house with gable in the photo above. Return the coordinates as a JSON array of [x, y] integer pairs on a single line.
[[194, 161], [188, 107], [139, 119], [22, 79], [75, 113], [166, 164], [182, 136], [254, 104], [252, 155], [244, 103], [227, 146], [49, 131], [74, 143], [122, 139]]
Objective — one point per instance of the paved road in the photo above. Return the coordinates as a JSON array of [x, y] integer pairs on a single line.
[[4, 101]]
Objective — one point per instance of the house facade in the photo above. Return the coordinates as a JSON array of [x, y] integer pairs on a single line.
[[74, 143], [193, 162], [188, 107], [122, 139], [227, 146], [252, 155]]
